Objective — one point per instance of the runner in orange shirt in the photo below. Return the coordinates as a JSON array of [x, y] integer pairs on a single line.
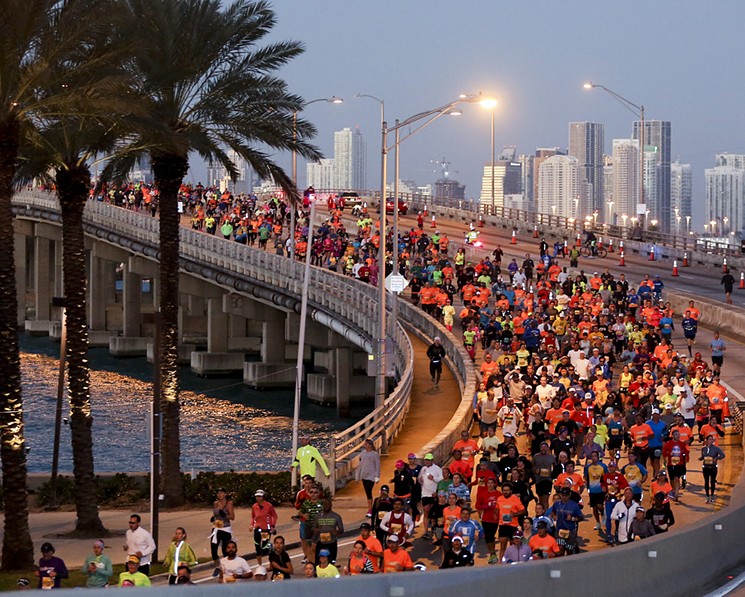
[[509, 507], [640, 434]]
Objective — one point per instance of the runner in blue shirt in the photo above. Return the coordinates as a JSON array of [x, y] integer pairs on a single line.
[[659, 427], [594, 471], [470, 530]]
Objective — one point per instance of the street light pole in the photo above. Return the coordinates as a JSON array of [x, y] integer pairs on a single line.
[[429, 117], [637, 111], [301, 341], [331, 100]]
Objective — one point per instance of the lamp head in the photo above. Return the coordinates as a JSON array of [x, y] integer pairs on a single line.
[[488, 103], [588, 85], [336, 100]]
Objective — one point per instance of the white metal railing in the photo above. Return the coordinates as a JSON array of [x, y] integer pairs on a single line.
[[346, 298]]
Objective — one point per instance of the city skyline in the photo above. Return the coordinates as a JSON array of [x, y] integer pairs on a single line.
[[386, 50]]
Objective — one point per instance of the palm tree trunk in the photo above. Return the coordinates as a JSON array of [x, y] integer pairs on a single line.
[[72, 189], [169, 170], [18, 549]]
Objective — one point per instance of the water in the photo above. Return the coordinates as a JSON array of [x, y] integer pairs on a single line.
[[225, 425]]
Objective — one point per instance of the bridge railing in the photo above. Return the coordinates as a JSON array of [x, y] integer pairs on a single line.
[[350, 300]]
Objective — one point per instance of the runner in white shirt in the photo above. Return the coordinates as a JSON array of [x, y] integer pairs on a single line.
[[509, 417]]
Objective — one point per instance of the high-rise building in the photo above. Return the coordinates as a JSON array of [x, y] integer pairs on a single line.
[[217, 175], [652, 172], [526, 185], [449, 188], [586, 143], [559, 187], [541, 154], [681, 195], [657, 134], [350, 160], [625, 179], [320, 175], [725, 192], [507, 180], [611, 215]]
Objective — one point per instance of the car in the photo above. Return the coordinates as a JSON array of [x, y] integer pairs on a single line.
[[403, 207], [350, 199]]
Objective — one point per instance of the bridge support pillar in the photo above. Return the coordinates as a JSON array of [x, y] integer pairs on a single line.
[[132, 303], [342, 370], [273, 341], [217, 326], [20, 256], [42, 288]]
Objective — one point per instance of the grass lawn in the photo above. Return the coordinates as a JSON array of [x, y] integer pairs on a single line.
[[8, 580]]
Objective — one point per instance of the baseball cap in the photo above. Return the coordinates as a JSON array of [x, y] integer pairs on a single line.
[[458, 538], [411, 455], [134, 559], [324, 552], [393, 538], [655, 411], [565, 491], [438, 339], [668, 406], [23, 582], [365, 525], [400, 464], [541, 524], [384, 488], [261, 570], [259, 493], [507, 434], [46, 547], [588, 396], [640, 509], [698, 354], [429, 456]]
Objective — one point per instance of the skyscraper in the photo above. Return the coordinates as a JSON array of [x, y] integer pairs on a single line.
[[681, 195], [625, 178], [541, 154], [507, 181], [320, 175], [725, 191], [350, 160], [657, 134], [218, 176], [586, 143], [559, 186]]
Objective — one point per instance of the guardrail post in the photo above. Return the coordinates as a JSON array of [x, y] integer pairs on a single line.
[[332, 470]]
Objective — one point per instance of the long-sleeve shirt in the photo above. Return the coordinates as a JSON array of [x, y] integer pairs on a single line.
[[263, 516], [178, 551], [625, 515], [369, 467], [429, 486], [306, 458], [103, 573], [142, 541]]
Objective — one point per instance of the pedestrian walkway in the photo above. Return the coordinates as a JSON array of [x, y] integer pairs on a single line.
[[430, 411]]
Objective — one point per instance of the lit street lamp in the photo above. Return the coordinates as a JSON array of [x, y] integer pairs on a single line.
[[428, 117], [637, 111]]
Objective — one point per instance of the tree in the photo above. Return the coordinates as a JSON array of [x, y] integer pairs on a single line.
[[207, 86], [38, 37]]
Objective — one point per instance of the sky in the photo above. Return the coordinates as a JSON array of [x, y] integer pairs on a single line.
[[682, 60]]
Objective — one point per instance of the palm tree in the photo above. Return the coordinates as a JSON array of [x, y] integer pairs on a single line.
[[38, 37], [208, 86]]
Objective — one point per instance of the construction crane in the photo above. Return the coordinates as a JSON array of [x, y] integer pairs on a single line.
[[444, 167]]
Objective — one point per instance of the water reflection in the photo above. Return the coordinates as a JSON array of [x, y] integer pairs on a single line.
[[224, 424]]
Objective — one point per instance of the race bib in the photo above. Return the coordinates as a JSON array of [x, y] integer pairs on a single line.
[[466, 540], [265, 536], [615, 431], [544, 472], [440, 521], [396, 529], [47, 583], [381, 515], [708, 461], [674, 460], [506, 518], [564, 534], [218, 524], [324, 537]]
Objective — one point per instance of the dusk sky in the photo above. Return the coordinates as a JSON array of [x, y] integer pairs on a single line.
[[683, 60]]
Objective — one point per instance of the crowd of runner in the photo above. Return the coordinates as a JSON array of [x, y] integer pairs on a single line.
[[586, 410]]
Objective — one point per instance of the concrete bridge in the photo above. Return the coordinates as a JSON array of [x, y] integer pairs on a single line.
[[235, 301]]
